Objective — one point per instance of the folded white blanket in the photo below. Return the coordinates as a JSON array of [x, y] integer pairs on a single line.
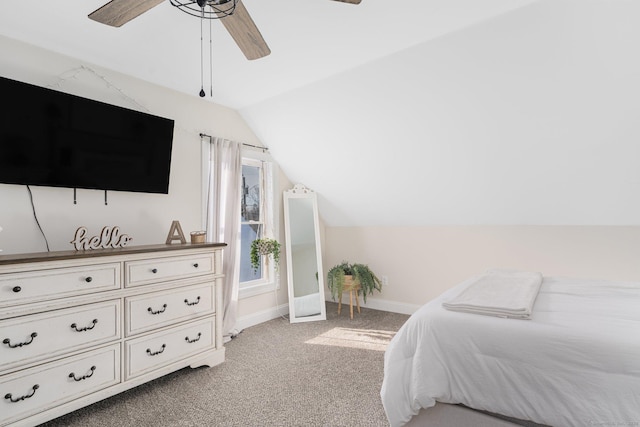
[[500, 293]]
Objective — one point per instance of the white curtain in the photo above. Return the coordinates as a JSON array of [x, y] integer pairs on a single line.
[[223, 220], [269, 198]]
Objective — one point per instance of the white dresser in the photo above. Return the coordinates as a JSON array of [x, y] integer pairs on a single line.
[[79, 326]]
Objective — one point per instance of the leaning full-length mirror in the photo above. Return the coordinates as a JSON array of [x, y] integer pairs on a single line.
[[304, 259]]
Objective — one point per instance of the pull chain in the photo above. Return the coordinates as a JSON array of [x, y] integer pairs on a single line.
[[202, 94], [210, 58]]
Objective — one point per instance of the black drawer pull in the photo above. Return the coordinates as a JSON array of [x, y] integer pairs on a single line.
[[86, 328], [7, 341], [154, 270], [16, 289], [193, 340], [164, 307], [84, 377], [9, 396], [195, 265], [155, 353], [88, 279], [192, 303]]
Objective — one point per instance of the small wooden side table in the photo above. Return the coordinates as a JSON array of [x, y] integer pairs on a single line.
[[353, 288]]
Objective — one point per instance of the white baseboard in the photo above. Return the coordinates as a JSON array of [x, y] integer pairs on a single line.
[[262, 316], [283, 310], [384, 305]]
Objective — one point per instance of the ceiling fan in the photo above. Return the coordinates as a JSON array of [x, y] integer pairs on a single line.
[[236, 20]]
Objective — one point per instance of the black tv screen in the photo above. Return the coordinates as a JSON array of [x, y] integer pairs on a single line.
[[55, 139]]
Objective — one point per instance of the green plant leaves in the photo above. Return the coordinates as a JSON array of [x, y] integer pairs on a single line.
[[361, 273], [266, 246]]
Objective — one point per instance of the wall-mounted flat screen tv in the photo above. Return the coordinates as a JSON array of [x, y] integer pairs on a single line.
[[55, 139]]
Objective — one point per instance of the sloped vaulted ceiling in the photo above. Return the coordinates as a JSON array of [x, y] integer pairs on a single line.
[[309, 39], [530, 117]]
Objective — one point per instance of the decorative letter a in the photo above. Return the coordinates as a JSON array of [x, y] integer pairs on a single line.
[[175, 233]]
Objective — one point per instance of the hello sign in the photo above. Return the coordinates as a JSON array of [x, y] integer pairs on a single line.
[[109, 237]]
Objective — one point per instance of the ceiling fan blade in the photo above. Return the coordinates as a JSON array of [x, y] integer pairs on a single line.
[[245, 33], [350, 1], [119, 12]]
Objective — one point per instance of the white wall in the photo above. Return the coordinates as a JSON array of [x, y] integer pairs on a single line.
[[511, 142], [145, 217], [422, 262]]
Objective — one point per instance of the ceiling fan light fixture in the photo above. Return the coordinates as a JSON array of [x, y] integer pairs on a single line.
[[217, 9]]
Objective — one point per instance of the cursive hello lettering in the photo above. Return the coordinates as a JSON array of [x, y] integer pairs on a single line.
[[109, 237]]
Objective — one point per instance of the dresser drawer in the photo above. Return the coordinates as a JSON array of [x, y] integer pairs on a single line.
[[170, 268], [17, 288], [31, 338], [35, 390], [154, 351], [152, 311]]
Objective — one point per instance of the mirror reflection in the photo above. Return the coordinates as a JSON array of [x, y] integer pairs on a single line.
[[304, 261]]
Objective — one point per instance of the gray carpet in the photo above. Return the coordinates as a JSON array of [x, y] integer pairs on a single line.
[[325, 373]]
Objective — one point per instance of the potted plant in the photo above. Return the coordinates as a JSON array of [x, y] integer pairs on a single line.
[[347, 276], [265, 246]]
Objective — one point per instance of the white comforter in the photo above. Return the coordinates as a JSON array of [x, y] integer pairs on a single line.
[[575, 363]]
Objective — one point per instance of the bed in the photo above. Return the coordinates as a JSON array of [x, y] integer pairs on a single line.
[[575, 362]]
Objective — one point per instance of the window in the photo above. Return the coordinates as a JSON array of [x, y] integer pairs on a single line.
[[256, 221]]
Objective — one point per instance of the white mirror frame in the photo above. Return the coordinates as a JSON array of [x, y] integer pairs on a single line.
[[296, 305]]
